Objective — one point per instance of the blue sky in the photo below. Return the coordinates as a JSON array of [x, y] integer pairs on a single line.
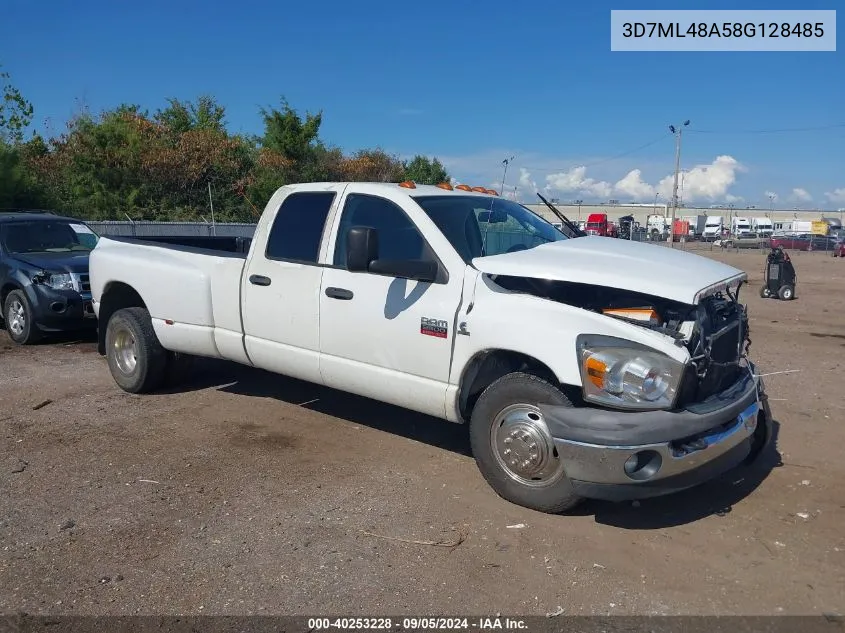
[[472, 83]]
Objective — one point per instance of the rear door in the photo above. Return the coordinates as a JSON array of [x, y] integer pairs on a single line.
[[281, 285]]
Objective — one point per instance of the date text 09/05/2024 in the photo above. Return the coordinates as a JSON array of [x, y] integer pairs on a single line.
[[418, 623], [726, 29]]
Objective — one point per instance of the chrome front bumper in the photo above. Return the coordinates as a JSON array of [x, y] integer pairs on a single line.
[[623, 455]]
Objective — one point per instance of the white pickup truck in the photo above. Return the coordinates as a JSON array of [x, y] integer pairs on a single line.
[[581, 371]]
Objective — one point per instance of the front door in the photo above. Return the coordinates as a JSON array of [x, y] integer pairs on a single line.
[[385, 337]]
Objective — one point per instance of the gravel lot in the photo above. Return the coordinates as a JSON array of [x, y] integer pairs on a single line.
[[246, 492]]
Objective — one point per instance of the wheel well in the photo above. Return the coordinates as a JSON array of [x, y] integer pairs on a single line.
[[4, 292], [116, 297], [487, 367]]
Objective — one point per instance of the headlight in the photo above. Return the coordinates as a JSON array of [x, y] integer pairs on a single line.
[[626, 375], [61, 281]]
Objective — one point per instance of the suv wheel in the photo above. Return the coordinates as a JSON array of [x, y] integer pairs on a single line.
[[18, 316]]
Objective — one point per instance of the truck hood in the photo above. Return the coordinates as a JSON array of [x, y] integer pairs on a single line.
[[613, 263], [73, 262]]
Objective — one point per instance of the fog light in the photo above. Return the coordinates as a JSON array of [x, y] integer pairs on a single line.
[[643, 465]]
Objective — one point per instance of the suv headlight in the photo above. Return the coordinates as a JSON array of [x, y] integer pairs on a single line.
[[62, 281], [626, 375]]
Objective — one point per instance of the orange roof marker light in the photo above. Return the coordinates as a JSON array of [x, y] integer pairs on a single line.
[[464, 187], [445, 185], [479, 189], [492, 192], [408, 184]]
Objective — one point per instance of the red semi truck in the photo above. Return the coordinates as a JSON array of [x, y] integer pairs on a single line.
[[597, 224]]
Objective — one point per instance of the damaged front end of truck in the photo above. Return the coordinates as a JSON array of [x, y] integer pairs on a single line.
[[648, 424]]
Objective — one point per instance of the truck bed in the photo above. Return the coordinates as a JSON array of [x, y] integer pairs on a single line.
[[206, 243], [192, 293]]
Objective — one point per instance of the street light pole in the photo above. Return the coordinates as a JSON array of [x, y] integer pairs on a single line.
[[505, 162], [677, 132]]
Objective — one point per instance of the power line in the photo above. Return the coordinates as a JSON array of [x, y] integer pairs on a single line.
[[772, 131], [662, 137]]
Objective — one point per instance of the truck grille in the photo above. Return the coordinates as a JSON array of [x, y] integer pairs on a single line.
[[723, 327]]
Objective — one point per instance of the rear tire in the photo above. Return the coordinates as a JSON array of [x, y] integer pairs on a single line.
[[19, 319], [765, 293], [786, 293], [530, 472], [136, 358]]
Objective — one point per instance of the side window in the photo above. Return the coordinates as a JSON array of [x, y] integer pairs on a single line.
[[398, 238], [298, 227]]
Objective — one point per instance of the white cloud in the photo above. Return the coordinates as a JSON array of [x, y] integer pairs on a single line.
[[732, 198], [706, 182], [837, 195], [575, 180], [801, 195], [703, 182], [634, 187], [525, 180]]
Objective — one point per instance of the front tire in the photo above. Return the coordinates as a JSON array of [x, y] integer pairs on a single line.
[[19, 318], [136, 358], [765, 293], [512, 445]]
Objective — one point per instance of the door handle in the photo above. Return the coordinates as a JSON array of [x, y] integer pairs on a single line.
[[339, 293], [259, 280]]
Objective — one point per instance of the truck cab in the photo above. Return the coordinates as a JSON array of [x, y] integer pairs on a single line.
[[712, 228], [597, 224], [579, 372]]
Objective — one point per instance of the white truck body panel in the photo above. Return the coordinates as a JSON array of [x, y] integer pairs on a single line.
[[200, 293], [613, 263]]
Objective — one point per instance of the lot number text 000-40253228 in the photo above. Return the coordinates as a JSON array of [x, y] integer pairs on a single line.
[[706, 30]]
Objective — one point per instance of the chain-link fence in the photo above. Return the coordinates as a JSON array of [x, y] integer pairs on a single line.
[[170, 229]]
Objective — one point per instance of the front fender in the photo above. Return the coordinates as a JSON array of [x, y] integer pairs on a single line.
[[542, 329]]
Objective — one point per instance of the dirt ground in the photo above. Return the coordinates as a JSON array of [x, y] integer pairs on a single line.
[[249, 493]]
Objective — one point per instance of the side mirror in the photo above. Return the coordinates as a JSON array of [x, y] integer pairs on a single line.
[[417, 269], [361, 248]]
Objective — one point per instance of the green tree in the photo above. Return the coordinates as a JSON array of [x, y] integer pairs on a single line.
[[15, 112], [182, 116], [286, 133], [425, 171]]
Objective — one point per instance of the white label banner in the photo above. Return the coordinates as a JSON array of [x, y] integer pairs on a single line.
[[729, 30]]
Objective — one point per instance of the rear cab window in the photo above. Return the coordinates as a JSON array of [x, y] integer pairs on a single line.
[[297, 231]]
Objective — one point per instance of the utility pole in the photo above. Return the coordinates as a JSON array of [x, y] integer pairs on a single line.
[[677, 132], [505, 162]]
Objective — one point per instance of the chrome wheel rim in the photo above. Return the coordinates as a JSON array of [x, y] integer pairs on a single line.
[[16, 317], [125, 351], [523, 446]]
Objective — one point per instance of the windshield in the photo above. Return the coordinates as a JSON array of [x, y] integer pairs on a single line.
[[49, 236], [477, 226]]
